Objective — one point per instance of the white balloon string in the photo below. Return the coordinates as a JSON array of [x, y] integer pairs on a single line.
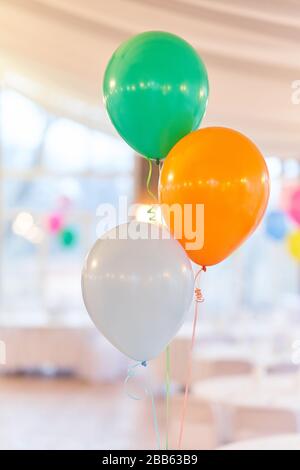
[[131, 372], [198, 299], [147, 389]]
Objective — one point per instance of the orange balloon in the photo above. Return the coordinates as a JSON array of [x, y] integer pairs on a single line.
[[219, 183]]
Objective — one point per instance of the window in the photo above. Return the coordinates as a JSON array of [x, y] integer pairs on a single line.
[[52, 168]]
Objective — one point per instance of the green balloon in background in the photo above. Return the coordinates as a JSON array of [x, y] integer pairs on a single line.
[[155, 91], [68, 237]]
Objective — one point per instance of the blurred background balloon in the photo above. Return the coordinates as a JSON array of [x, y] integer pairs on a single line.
[[55, 222], [293, 244], [155, 90], [68, 237], [294, 206], [276, 225]]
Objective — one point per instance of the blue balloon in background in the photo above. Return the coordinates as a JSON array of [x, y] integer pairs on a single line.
[[276, 225]]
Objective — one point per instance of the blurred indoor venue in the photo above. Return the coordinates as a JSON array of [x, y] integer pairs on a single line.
[[62, 384]]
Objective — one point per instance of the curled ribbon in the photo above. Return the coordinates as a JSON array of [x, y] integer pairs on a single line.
[[198, 299], [147, 392]]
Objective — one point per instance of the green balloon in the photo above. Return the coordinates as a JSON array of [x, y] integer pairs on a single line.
[[155, 91], [68, 237]]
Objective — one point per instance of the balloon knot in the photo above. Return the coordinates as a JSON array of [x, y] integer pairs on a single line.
[[198, 295], [144, 363], [204, 269]]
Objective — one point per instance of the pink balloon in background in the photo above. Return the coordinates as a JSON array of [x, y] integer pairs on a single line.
[[287, 190], [55, 223], [64, 203], [294, 206]]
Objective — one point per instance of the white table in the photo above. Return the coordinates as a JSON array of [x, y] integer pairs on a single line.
[[277, 391], [229, 395], [281, 442]]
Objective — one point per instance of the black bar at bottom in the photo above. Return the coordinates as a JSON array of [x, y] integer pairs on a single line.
[[131, 459]]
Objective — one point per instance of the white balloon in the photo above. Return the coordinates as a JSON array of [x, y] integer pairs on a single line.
[[137, 289]]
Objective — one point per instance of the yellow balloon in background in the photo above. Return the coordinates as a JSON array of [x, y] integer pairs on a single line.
[[293, 243]]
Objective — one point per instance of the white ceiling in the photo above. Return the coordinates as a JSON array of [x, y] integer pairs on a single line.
[[251, 48]]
